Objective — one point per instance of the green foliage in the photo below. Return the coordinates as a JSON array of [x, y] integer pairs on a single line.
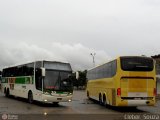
[[81, 80]]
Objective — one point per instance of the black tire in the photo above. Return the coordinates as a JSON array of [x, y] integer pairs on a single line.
[[100, 99], [104, 100], [88, 95], [30, 97], [7, 93]]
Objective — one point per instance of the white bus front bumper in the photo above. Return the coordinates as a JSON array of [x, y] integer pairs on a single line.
[[59, 98]]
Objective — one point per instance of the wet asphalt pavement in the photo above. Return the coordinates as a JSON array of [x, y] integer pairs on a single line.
[[79, 108]]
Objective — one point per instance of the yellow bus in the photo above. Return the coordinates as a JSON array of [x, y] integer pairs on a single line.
[[125, 81]]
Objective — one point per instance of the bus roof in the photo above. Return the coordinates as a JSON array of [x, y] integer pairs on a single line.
[[19, 64], [101, 64], [115, 59]]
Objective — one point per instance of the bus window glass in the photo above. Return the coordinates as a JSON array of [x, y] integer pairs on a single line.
[[136, 64], [38, 64], [104, 71], [65, 82], [57, 80], [51, 79], [38, 79], [57, 66]]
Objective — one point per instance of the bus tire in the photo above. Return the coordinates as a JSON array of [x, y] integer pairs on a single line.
[[30, 97], [104, 100], [100, 99], [7, 94], [5, 91], [88, 95]]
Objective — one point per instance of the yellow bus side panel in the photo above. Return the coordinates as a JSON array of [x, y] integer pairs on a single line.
[[102, 86]]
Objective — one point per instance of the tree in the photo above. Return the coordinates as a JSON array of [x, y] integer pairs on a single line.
[[82, 78]]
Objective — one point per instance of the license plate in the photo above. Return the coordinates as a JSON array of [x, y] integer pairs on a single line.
[[59, 98], [137, 98]]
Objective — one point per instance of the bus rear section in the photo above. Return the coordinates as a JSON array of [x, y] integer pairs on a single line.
[[137, 82]]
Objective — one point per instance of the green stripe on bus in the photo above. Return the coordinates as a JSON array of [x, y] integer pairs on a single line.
[[24, 80], [18, 80], [59, 92]]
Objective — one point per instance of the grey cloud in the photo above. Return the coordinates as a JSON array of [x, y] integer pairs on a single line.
[[77, 54], [116, 27]]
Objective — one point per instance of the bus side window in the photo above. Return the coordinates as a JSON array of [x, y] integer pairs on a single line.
[[38, 79]]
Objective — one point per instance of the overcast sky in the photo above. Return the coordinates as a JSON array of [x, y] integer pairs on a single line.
[[69, 30]]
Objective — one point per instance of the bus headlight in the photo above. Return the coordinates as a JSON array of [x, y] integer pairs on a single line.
[[45, 113], [69, 100], [70, 93]]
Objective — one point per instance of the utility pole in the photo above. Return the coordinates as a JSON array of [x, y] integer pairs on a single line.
[[93, 55]]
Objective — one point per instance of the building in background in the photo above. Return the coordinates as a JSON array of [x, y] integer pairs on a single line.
[[157, 59]]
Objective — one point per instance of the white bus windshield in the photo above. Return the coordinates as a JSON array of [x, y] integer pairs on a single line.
[[57, 80]]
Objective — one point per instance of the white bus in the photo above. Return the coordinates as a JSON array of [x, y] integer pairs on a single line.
[[43, 81]]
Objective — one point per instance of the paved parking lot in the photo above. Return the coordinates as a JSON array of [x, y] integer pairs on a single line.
[[79, 108]]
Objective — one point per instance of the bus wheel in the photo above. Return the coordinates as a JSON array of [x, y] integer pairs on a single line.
[[30, 97], [88, 95], [104, 100], [7, 93], [100, 99]]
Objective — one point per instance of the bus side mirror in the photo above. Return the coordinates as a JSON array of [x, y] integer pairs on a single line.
[[43, 72], [77, 75]]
